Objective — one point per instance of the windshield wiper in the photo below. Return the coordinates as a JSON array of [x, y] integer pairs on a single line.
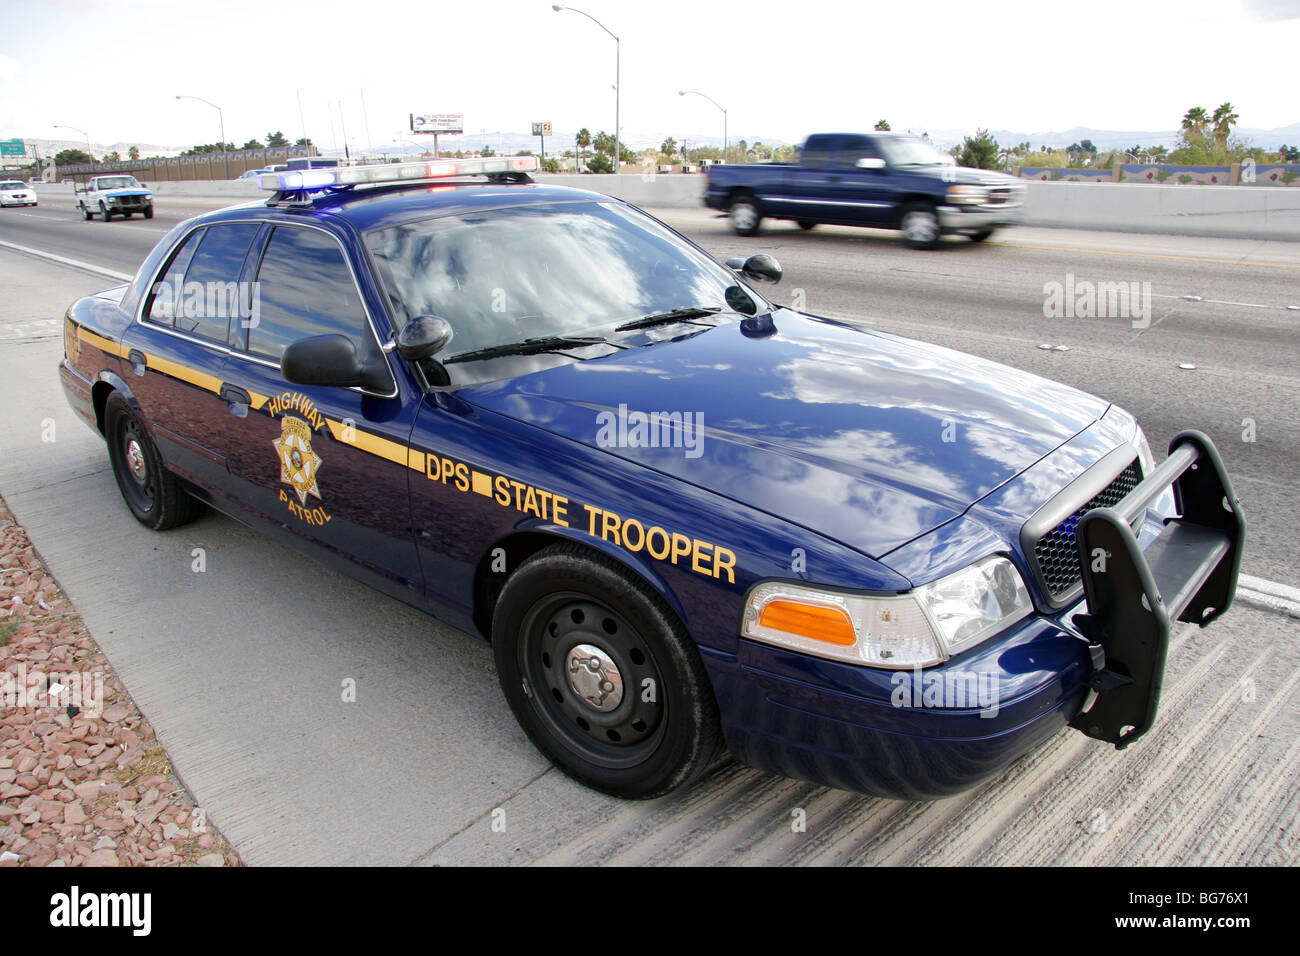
[[548, 343], [663, 318]]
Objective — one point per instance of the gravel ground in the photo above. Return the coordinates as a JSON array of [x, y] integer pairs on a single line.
[[83, 779]]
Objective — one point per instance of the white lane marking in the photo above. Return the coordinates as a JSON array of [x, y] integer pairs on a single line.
[[1270, 594], [63, 260]]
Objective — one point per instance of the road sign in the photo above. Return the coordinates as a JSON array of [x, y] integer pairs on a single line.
[[13, 147], [541, 129]]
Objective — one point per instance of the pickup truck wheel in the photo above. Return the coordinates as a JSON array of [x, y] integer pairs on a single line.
[[602, 676], [920, 226], [981, 235], [84, 211], [148, 212], [153, 494], [745, 216], [806, 224], [103, 211]]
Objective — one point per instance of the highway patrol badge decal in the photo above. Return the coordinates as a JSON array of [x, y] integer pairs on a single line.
[[299, 465]]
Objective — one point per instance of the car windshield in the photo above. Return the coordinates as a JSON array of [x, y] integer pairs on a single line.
[[905, 151], [12, 185], [567, 269], [118, 182]]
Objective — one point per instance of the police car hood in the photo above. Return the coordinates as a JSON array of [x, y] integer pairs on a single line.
[[863, 437]]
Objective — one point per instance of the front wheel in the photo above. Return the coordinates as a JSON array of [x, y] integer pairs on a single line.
[[745, 216], [148, 212], [152, 493], [103, 211], [602, 676], [920, 226]]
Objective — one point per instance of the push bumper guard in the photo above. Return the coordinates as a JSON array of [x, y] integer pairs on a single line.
[[1189, 573]]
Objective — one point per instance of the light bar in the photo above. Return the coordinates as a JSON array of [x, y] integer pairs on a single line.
[[298, 180]]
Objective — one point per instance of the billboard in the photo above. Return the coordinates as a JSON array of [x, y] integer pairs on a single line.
[[541, 129], [437, 122]]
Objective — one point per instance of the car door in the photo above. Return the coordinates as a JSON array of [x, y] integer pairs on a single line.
[[326, 465], [177, 353], [843, 191]]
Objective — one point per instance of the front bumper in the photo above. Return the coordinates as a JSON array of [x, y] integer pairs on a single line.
[[128, 203], [27, 199], [918, 735], [974, 218]]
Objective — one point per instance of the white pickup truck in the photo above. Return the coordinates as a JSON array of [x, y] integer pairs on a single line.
[[111, 195]]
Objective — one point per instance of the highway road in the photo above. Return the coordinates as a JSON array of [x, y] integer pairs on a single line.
[[239, 668]]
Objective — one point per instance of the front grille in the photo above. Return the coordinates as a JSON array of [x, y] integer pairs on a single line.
[[1057, 551], [999, 195]]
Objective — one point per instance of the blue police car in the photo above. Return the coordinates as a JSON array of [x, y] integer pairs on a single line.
[[687, 518]]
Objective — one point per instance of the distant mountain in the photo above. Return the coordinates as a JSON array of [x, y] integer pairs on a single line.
[[1105, 139]]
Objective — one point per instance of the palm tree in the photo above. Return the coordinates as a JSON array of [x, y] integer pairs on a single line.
[[1195, 121], [1225, 117], [583, 140]]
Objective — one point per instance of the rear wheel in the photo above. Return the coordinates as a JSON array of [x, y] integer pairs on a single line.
[[745, 215], [84, 211], [920, 225], [602, 676], [152, 493]]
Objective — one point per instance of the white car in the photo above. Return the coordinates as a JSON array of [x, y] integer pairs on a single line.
[[251, 175], [14, 193]]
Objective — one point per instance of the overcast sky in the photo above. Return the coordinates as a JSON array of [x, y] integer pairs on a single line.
[[783, 69]]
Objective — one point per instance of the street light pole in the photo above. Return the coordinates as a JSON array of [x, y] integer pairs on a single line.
[[82, 132], [725, 141], [221, 118], [618, 83]]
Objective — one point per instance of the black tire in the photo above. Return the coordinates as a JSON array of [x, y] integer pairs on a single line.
[[807, 224], [84, 211], [746, 215], [126, 215], [920, 225], [150, 491], [103, 211], [556, 607], [981, 235], [148, 212]]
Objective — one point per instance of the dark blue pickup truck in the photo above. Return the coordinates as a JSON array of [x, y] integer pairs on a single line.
[[884, 180]]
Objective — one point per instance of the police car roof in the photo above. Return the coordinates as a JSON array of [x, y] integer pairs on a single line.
[[380, 206]]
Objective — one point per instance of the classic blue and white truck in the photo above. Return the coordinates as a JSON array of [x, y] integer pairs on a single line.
[[114, 195], [886, 180]]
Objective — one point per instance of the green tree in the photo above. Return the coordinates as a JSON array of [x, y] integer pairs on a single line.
[[133, 152], [72, 157], [882, 125], [668, 147], [276, 139], [487, 151], [1225, 117], [583, 142], [1195, 122], [303, 141], [550, 165], [252, 144], [980, 151], [600, 163], [113, 157]]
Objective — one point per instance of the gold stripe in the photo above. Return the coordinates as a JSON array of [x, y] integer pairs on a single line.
[[372, 444], [186, 374], [106, 345], [415, 459]]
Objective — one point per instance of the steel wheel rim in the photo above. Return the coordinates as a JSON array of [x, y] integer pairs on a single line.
[[616, 731], [139, 484]]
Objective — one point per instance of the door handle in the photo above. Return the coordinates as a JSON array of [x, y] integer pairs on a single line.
[[238, 399]]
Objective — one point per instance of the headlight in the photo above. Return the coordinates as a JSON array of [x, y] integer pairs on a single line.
[[1147, 460], [968, 195], [917, 629]]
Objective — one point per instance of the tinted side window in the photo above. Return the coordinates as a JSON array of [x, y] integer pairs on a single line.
[[215, 270], [855, 148], [168, 295], [304, 288], [817, 152]]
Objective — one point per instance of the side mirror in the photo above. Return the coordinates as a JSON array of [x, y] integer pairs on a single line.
[[330, 360], [870, 162], [422, 337], [759, 267]]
